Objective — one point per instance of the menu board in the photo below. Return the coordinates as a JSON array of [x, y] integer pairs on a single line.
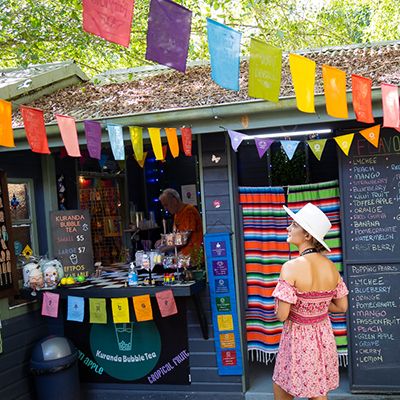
[[72, 241], [375, 325], [370, 187]]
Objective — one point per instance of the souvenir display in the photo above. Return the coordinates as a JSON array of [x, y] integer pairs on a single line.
[[52, 272]]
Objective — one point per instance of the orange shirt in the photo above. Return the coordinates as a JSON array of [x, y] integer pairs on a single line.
[[188, 219]]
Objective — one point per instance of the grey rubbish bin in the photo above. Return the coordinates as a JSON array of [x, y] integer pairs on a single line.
[[55, 369]]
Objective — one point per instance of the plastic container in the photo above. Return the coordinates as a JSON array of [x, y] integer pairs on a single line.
[[132, 275], [55, 369]]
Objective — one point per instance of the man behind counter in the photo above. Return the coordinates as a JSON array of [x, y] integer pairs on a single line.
[[186, 218]]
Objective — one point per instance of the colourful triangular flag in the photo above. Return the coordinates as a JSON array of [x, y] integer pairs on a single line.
[[317, 147], [103, 160], [362, 98], [76, 308], [155, 138], [372, 134], [142, 306], [262, 145], [120, 310], [93, 138], [236, 138], [6, 131], [116, 136], [50, 304], [344, 142], [265, 69], [137, 141], [166, 303], [335, 91], [173, 143], [97, 310], [186, 134], [290, 147], [69, 135], [224, 49], [391, 108], [142, 161]]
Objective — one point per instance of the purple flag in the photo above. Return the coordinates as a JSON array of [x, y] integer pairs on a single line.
[[263, 145], [236, 138], [93, 138], [168, 34]]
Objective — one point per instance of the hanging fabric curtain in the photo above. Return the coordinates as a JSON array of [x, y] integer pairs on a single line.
[[326, 196], [266, 249]]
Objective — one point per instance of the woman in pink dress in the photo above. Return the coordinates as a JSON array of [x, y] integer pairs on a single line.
[[309, 286]]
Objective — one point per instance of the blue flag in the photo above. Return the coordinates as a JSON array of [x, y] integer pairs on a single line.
[[117, 141], [76, 308], [224, 48], [290, 147]]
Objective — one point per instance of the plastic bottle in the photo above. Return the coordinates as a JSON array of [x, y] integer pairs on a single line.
[[132, 275]]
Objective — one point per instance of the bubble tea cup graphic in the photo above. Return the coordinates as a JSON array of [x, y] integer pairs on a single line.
[[123, 333]]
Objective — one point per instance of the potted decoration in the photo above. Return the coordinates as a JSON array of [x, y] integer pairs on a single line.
[[197, 262]]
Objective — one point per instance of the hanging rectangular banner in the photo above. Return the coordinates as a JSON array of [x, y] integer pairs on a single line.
[[137, 141], [335, 92], [35, 129], [93, 138], [116, 136], [303, 77], [173, 144], [362, 98], [155, 139], [6, 131], [223, 303], [69, 135], [224, 49], [75, 308], [168, 34], [109, 19], [265, 68], [390, 104], [50, 304], [187, 141]]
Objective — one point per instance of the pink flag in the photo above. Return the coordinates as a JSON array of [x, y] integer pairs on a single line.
[[390, 103], [69, 135], [50, 304], [93, 138], [166, 303], [35, 129], [263, 145], [236, 138], [187, 141], [111, 20]]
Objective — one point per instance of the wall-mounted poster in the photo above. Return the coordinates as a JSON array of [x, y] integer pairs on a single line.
[[189, 195]]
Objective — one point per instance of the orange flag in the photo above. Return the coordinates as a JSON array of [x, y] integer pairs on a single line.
[[142, 306], [69, 135], [335, 91], [303, 77], [362, 101], [6, 132], [344, 142], [35, 129], [173, 144], [372, 134], [187, 141]]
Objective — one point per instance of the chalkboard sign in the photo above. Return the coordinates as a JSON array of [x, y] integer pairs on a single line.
[[375, 326], [72, 241], [370, 187]]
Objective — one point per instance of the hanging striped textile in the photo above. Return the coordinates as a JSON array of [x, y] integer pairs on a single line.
[[266, 249], [326, 196]]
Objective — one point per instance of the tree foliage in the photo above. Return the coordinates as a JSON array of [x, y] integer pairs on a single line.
[[41, 31]]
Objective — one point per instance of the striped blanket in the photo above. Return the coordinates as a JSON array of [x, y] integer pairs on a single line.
[[264, 223]]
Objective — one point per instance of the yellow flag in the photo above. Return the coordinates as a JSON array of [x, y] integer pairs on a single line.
[[155, 139], [225, 322], [344, 142], [141, 162], [137, 141], [142, 306], [97, 309], [335, 91], [372, 134], [6, 132], [303, 77], [173, 143], [120, 310], [317, 147]]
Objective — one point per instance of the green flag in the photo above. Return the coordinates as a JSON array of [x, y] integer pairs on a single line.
[[317, 147]]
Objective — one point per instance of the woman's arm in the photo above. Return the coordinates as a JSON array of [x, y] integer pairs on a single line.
[[339, 305], [282, 310]]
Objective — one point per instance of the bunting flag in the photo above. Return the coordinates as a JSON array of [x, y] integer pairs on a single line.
[[173, 144], [155, 138], [142, 306], [166, 303], [186, 134], [302, 70], [117, 141], [120, 310], [362, 98], [97, 310], [142, 161], [224, 49], [344, 142], [372, 134], [390, 103], [168, 34], [317, 147], [93, 138], [6, 131], [335, 92], [236, 138], [111, 20], [265, 68], [76, 308], [35, 129], [290, 147], [103, 160], [69, 135], [136, 133], [263, 145], [164, 152], [50, 304]]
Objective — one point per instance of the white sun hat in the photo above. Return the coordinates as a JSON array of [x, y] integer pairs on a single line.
[[312, 220]]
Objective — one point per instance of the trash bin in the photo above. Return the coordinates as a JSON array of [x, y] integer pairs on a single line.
[[55, 369]]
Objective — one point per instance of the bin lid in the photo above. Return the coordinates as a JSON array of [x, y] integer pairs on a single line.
[[53, 348]]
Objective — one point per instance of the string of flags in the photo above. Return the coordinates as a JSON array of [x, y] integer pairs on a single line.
[[119, 307]]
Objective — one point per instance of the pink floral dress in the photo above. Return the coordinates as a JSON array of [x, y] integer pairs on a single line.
[[307, 361]]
